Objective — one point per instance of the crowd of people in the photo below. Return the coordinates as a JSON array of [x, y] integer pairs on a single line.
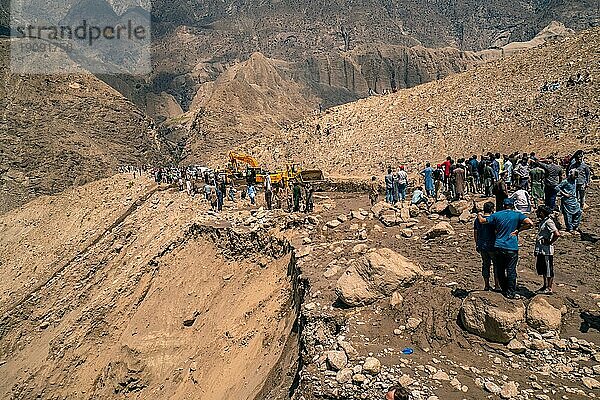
[[218, 187], [520, 184]]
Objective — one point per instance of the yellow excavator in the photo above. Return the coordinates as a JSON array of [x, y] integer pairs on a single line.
[[255, 174]]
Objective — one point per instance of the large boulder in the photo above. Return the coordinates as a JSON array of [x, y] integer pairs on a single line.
[[456, 208], [374, 276], [440, 229], [439, 207], [380, 207], [491, 316], [543, 316]]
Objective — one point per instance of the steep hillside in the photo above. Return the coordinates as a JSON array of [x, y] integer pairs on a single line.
[[251, 99], [59, 131], [498, 106], [141, 295]]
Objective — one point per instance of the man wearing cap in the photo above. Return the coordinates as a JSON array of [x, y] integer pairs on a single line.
[[507, 225]]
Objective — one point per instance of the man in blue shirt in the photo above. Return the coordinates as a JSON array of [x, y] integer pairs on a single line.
[[507, 225], [485, 236]]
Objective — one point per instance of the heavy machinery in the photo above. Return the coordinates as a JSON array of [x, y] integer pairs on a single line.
[[243, 168]]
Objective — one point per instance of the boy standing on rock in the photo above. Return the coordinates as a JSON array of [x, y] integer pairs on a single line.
[[544, 248], [507, 223]]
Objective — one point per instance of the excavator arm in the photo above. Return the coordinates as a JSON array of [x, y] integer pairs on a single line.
[[235, 158]]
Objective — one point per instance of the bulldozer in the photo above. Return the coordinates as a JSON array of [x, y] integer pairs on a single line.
[[253, 173]]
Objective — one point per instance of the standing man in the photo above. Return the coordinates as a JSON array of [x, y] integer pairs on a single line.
[[438, 177], [428, 178], [402, 183], [536, 177], [297, 194], [458, 177], [507, 223], [484, 244], [522, 173], [544, 248], [446, 165], [268, 191], [488, 178], [569, 205], [474, 169], [583, 176], [508, 167], [500, 190], [373, 191], [389, 186], [252, 193], [553, 176]]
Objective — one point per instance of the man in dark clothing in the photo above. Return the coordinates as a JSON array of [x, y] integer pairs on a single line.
[[389, 186], [507, 224], [554, 176], [297, 194], [484, 243], [500, 190]]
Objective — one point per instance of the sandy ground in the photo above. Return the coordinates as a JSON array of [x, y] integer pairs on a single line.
[[104, 300]]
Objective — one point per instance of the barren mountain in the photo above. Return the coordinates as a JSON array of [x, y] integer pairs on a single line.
[[497, 106], [57, 131]]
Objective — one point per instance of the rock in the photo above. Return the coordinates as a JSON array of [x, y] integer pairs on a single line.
[[540, 344], [414, 210], [516, 346], [362, 235], [371, 366], [492, 387], [357, 215], [375, 275], [359, 378], [405, 381], [333, 223], [590, 383], [465, 216], [332, 271], [303, 251], [344, 375], [457, 207], [378, 208], [342, 218], [509, 390], [543, 316], [360, 248], [440, 229], [439, 207], [440, 376], [336, 359], [491, 316], [396, 300], [350, 351], [413, 323], [405, 214], [310, 306], [406, 232]]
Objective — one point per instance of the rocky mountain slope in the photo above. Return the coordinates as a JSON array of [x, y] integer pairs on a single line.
[[57, 131], [497, 106]]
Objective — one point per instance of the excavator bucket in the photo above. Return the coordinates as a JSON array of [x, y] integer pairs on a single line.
[[311, 175]]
